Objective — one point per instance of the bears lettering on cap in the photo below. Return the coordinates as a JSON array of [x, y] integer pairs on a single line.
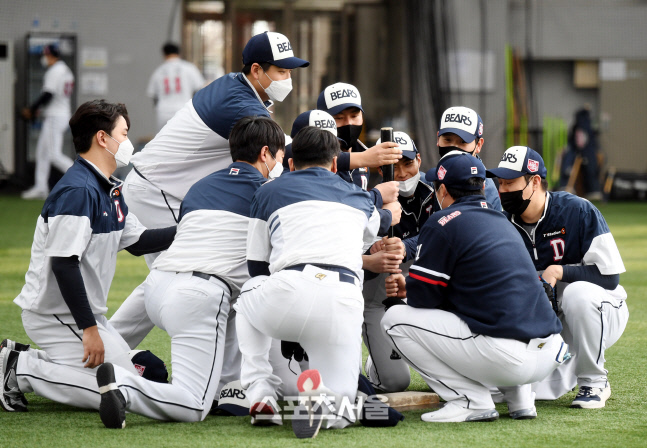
[[273, 48], [462, 121], [518, 161], [338, 97]]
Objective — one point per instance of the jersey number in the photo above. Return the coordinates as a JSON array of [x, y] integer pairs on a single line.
[[120, 214], [167, 85], [364, 183], [558, 246], [68, 87]]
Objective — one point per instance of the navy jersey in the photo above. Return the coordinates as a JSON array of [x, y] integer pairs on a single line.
[[571, 231], [85, 216], [212, 232], [415, 211], [311, 216], [478, 275]]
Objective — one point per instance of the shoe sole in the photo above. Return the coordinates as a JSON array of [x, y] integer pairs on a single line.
[[592, 404], [307, 428], [111, 409], [479, 418]]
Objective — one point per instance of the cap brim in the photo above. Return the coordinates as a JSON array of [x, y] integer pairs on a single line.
[[290, 63], [431, 175], [232, 410], [503, 173], [465, 136], [339, 108], [409, 154]]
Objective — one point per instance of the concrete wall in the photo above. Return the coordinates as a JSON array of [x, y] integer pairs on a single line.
[[131, 31]]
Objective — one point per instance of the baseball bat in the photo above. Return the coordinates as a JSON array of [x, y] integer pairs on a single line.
[[386, 135]]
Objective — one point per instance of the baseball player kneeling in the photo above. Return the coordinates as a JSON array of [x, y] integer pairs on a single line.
[[573, 250], [468, 323], [192, 285], [313, 293]]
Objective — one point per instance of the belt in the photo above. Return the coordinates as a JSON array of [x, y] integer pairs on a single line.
[[207, 277], [345, 275]]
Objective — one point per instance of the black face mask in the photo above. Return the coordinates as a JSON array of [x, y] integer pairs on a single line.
[[513, 201], [443, 150], [349, 134]]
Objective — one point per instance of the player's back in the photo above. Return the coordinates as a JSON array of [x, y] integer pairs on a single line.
[[212, 231], [314, 216], [173, 84], [59, 81], [194, 143]]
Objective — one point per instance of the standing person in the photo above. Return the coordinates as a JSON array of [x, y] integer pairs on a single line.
[[55, 108], [469, 323], [172, 84], [461, 129], [573, 250], [192, 285], [305, 289], [83, 224], [194, 144]]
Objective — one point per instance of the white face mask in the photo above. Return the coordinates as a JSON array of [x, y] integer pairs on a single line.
[[408, 187], [43, 61], [278, 90], [124, 152], [276, 171]]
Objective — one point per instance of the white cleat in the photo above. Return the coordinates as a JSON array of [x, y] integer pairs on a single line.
[[454, 413]]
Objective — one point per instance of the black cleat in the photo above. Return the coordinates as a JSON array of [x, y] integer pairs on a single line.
[[11, 399], [112, 409]]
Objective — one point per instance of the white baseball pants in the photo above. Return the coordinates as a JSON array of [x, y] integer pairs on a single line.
[[593, 320], [56, 372], [457, 364], [193, 311], [49, 150], [313, 308]]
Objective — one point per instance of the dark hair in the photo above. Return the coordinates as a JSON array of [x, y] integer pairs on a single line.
[[314, 147], [247, 68], [544, 182], [250, 134], [52, 50], [170, 48], [457, 193], [92, 117]]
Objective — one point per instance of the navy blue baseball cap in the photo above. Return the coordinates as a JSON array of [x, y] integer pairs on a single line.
[[52, 50], [316, 118], [407, 145], [462, 121], [518, 161], [455, 169], [274, 48], [339, 96], [149, 366]]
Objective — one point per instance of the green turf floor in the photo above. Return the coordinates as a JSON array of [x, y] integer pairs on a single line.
[[623, 423]]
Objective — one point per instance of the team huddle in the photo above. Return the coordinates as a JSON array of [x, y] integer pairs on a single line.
[[271, 263]]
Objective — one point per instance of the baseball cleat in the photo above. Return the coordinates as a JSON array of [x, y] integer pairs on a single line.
[[13, 345], [591, 397], [308, 416], [11, 399], [112, 408], [454, 413], [524, 414], [307, 420], [265, 413]]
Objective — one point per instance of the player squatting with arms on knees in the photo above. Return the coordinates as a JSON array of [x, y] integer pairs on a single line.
[[310, 294], [572, 248], [193, 284], [83, 224], [469, 324]]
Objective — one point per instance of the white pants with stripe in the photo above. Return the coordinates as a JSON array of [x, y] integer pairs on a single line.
[[193, 311], [321, 313], [593, 320], [56, 371], [49, 150], [458, 364]]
